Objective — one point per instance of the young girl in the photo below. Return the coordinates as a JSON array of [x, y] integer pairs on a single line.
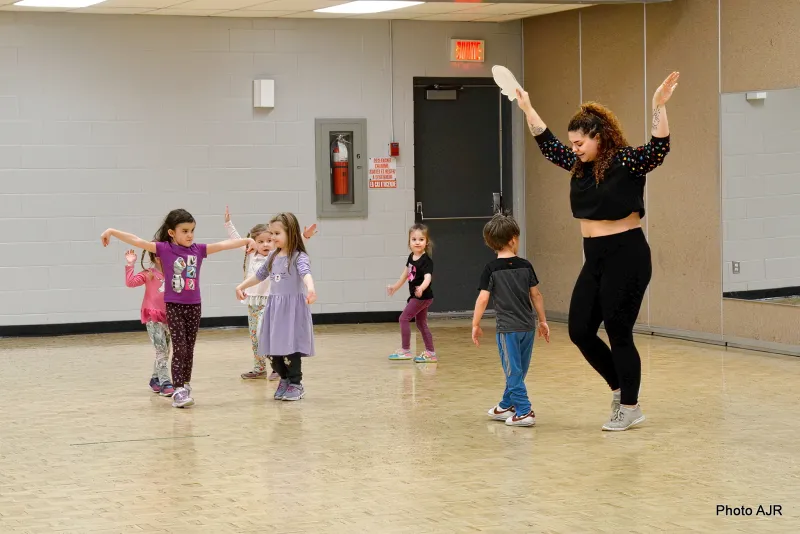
[[175, 247], [256, 297], [154, 317], [287, 332], [419, 274]]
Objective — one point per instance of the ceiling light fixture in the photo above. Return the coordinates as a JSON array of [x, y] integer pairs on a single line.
[[66, 4], [361, 7]]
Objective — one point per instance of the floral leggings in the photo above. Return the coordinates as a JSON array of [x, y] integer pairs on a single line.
[[254, 314], [184, 322], [160, 338]]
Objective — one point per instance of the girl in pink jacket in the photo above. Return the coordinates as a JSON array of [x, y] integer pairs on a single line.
[[154, 317]]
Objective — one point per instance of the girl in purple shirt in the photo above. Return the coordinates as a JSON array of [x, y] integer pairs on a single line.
[[181, 259]]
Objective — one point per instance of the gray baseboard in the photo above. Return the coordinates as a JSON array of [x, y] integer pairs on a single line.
[[684, 335]]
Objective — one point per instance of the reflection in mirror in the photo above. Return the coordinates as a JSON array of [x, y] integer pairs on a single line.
[[760, 145]]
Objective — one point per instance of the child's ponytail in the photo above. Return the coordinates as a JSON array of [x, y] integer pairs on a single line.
[[244, 264]]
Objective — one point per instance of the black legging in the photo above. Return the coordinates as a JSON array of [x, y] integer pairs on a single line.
[[291, 371], [610, 289]]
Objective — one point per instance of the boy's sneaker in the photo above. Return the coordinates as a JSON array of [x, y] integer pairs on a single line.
[[154, 385], [426, 357], [295, 392], [529, 419], [401, 354], [624, 418], [274, 376], [182, 398], [253, 375], [167, 389], [282, 387], [501, 414]]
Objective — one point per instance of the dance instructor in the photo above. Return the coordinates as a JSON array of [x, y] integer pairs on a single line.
[[607, 195]]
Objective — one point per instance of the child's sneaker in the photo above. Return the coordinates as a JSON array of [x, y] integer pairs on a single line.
[[501, 414], [167, 389], [295, 392], [529, 419], [274, 376], [282, 387], [154, 385], [401, 354], [182, 398], [625, 418], [426, 357], [253, 375]]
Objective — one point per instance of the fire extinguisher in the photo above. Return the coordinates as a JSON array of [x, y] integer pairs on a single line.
[[341, 167]]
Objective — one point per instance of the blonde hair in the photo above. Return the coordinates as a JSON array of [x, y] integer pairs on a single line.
[[425, 233]]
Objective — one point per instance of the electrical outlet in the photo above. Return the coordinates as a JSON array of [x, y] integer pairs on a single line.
[[736, 268]]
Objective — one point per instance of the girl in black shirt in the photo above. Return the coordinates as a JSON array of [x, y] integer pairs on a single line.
[[419, 274], [607, 195]]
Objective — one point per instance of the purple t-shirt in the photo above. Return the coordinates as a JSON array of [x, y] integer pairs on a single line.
[[181, 271]]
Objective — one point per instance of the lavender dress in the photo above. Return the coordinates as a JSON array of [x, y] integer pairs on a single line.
[[286, 327]]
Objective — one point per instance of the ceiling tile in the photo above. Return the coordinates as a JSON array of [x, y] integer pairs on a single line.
[[185, 12], [434, 8], [312, 15], [462, 17], [255, 14], [112, 10], [219, 5], [151, 4], [503, 18], [554, 8], [387, 15], [500, 9], [12, 7], [295, 5]]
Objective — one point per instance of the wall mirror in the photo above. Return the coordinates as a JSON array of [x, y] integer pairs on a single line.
[[760, 166]]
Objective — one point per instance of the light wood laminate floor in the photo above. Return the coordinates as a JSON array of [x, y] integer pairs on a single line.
[[391, 447]]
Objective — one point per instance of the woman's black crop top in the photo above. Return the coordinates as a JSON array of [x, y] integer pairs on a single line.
[[621, 191]]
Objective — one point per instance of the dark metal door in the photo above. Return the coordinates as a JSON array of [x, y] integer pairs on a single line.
[[462, 173]]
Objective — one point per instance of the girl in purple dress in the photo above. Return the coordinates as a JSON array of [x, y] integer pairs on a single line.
[[287, 332]]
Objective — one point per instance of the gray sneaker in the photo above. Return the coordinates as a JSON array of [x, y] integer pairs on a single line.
[[624, 418], [295, 392], [283, 385], [182, 398], [615, 400]]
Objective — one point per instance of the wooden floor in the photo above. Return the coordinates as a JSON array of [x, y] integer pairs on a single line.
[[391, 447]]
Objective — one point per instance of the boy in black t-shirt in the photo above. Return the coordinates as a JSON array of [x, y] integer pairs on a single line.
[[512, 282]]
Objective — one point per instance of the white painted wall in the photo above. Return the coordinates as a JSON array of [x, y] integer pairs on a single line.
[[761, 190], [113, 121]]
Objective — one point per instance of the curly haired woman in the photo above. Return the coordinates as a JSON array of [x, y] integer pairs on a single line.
[[607, 195]]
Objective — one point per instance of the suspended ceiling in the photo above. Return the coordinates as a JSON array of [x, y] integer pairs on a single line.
[[436, 10]]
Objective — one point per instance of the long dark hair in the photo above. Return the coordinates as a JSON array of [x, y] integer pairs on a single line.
[[598, 122], [294, 239], [254, 232], [171, 221]]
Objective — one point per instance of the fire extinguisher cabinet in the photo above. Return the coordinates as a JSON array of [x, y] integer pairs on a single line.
[[341, 153]]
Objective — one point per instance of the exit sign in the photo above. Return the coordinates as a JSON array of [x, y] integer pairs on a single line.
[[466, 50]]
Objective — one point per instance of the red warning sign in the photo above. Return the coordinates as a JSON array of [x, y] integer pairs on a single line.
[[382, 173]]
